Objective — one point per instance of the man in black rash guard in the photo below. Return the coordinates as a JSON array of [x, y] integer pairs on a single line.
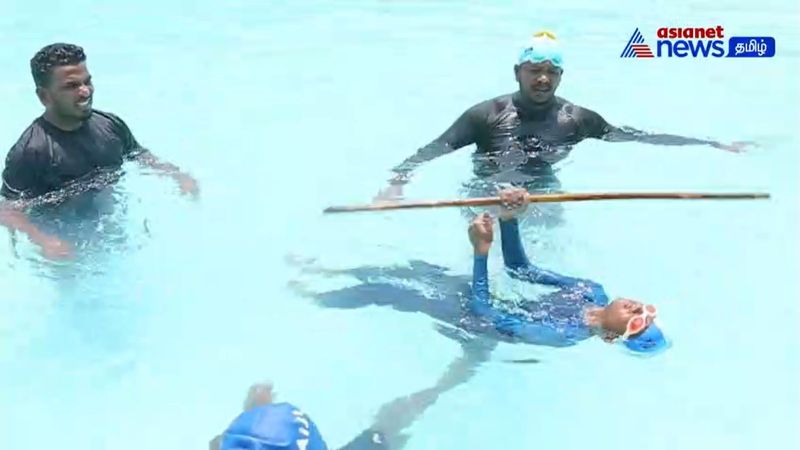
[[69, 149], [519, 136]]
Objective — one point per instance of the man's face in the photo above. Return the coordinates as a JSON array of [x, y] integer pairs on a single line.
[[538, 81], [68, 95]]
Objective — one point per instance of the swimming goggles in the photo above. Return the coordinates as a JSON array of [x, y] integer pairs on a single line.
[[639, 322]]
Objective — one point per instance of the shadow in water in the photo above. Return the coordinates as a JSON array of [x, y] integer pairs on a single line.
[[418, 287]]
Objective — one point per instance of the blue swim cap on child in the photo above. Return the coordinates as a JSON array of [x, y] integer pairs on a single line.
[[650, 341], [278, 426], [543, 47]]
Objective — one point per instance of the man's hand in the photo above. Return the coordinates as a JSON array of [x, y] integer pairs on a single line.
[[481, 234], [514, 202], [54, 248], [392, 193], [735, 147], [187, 184]]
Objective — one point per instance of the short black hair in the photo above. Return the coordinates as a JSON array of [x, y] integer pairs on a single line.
[[52, 56]]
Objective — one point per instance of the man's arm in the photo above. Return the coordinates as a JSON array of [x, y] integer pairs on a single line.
[[593, 125], [146, 158], [22, 181], [461, 133], [186, 182], [14, 218], [135, 152]]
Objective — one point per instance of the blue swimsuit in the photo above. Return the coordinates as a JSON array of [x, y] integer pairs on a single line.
[[555, 319]]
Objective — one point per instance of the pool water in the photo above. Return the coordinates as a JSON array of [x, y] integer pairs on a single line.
[[151, 337]]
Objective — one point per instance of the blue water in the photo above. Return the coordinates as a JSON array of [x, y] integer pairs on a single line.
[[280, 109]]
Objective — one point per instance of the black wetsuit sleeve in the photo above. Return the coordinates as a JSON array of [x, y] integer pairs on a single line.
[[464, 131], [24, 175], [594, 126]]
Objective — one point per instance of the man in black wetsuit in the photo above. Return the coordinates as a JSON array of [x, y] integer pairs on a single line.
[[69, 144], [519, 136]]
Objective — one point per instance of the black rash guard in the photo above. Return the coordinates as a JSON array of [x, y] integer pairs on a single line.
[[47, 158], [518, 143]]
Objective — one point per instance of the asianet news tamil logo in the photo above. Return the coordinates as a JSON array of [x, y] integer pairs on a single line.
[[699, 43]]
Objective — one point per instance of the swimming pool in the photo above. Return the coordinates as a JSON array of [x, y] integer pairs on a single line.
[[284, 109]]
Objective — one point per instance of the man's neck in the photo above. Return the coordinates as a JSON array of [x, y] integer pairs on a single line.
[[61, 122], [532, 108]]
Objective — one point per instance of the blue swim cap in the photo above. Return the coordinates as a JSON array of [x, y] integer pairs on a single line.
[[278, 426], [543, 47], [650, 341]]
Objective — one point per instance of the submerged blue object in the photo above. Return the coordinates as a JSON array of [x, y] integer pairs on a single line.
[[650, 341], [278, 426], [543, 47]]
